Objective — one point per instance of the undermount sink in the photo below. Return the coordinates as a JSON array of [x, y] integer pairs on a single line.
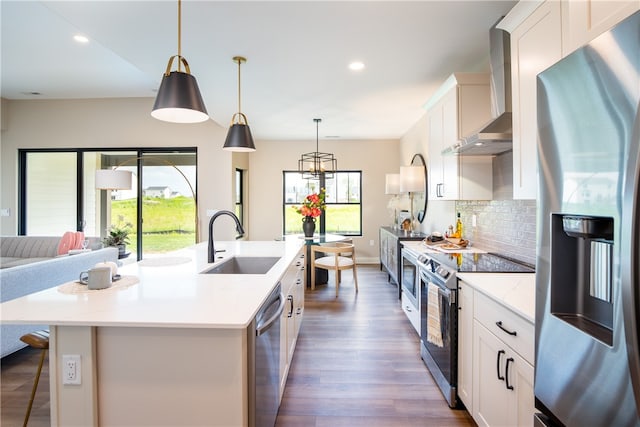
[[244, 265]]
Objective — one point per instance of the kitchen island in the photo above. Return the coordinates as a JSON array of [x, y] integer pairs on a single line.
[[165, 345]]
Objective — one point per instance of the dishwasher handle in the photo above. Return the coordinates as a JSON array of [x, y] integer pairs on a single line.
[[263, 327]]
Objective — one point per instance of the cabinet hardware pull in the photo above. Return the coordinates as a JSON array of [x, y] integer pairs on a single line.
[[501, 352], [407, 308], [290, 299], [499, 325], [506, 374]]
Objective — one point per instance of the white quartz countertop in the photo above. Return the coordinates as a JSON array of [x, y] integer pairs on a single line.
[[517, 291], [169, 292]]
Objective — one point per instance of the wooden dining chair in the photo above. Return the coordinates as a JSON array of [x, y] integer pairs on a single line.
[[334, 256]]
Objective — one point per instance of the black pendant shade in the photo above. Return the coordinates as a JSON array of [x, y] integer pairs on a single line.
[[179, 99], [239, 136]]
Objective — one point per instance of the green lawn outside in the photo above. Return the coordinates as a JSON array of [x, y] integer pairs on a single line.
[[342, 219], [169, 224]]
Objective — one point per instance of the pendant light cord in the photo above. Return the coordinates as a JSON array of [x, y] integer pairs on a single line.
[[239, 62], [317, 121], [179, 34]]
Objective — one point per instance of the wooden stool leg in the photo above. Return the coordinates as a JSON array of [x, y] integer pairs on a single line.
[[35, 387]]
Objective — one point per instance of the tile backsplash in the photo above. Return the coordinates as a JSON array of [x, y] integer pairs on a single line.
[[503, 226]]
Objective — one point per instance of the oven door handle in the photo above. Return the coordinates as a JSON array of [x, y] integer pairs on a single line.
[[448, 294]]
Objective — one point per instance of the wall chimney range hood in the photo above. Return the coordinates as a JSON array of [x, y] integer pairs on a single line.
[[496, 136]]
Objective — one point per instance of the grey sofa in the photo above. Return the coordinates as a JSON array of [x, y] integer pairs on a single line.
[[31, 264]]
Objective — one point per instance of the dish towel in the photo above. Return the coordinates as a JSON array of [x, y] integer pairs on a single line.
[[434, 331]]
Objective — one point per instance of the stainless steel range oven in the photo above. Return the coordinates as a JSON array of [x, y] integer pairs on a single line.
[[439, 325], [439, 309]]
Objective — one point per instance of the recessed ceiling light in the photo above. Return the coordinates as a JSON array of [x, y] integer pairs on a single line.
[[356, 66], [80, 38]]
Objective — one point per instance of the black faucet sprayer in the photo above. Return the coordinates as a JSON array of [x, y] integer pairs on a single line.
[[211, 253]]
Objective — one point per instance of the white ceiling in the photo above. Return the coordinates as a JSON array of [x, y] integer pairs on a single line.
[[297, 55]]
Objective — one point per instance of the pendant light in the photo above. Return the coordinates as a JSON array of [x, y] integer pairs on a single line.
[[239, 136], [179, 99], [313, 165]]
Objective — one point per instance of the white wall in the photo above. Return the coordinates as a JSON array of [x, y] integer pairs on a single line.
[[374, 158], [127, 123], [112, 123], [440, 214]]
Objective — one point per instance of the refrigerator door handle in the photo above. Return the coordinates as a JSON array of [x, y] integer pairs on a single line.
[[630, 264]]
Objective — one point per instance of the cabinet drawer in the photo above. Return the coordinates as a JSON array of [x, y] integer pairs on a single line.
[[494, 316]]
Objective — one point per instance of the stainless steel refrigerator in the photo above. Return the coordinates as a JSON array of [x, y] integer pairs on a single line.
[[587, 370]]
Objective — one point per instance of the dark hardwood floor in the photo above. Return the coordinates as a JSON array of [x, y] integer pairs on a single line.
[[357, 363], [18, 372]]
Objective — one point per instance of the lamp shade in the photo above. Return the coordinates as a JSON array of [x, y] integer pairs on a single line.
[[239, 138], [411, 178], [392, 183], [179, 99], [109, 179]]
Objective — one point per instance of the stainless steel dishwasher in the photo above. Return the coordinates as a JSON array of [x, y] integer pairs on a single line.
[[263, 342]]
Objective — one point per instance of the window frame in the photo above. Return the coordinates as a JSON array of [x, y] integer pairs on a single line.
[[322, 180]]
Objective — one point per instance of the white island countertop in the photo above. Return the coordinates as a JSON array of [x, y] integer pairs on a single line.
[[167, 292]]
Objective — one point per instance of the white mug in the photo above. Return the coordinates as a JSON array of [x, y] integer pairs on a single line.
[[96, 278], [112, 265]]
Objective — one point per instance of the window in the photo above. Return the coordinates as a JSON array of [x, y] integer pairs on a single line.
[[344, 205]]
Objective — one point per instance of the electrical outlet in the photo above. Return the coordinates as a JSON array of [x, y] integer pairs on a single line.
[[71, 369], [5, 212], [371, 242], [474, 221]]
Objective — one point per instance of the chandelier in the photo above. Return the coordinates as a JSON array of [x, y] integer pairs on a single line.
[[313, 165]]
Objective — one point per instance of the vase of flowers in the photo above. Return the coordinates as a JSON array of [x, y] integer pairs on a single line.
[[312, 207]]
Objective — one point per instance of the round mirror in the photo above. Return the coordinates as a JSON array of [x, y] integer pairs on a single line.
[[420, 199]]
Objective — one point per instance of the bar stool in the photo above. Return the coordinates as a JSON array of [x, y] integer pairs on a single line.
[[37, 339]]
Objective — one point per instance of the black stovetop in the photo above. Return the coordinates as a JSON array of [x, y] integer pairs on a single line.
[[466, 262]]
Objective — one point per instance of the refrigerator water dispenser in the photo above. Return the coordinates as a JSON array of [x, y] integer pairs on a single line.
[[582, 272]]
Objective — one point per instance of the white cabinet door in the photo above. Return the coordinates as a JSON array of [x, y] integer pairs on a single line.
[[536, 44], [462, 107], [490, 394], [465, 344], [584, 20], [293, 289], [436, 177], [450, 136], [502, 383]]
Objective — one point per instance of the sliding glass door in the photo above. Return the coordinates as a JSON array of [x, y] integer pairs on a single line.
[[58, 193]]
